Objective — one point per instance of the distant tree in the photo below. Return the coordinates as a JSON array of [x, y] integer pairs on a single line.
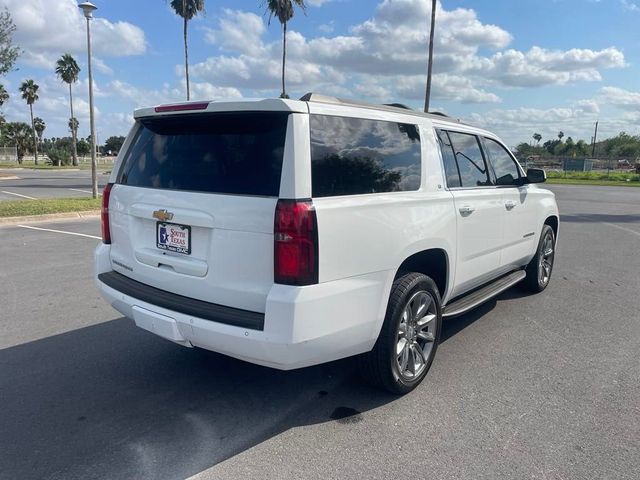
[[560, 135], [67, 70], [581, 148], [39, 126], [537, 137], [20, 135], [187, 9], [550, 145], [283, 10], [84, 147], [29, 91], [8, 51], [114, 144], [4, 95]]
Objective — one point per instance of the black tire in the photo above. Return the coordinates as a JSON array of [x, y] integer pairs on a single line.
[[382, 365], [537, 279]]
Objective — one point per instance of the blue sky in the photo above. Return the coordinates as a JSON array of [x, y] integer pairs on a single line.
[[513, 67]]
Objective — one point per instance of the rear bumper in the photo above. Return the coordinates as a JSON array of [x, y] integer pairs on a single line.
[[303, 326]]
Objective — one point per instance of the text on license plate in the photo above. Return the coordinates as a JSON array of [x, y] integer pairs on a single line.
[[173, 237]]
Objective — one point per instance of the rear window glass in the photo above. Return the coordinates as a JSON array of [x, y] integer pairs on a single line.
[[351, 156], [233, 153]]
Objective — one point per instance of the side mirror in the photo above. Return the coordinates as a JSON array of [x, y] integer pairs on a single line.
[[536, 175]]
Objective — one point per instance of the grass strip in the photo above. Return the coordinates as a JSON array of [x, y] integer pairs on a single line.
[[20, 208]]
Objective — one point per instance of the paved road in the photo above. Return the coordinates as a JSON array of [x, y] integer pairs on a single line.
[[542, 387], [47, 184]]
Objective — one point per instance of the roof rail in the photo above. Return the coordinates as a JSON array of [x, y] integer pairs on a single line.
[[390, 107], [398, 105]]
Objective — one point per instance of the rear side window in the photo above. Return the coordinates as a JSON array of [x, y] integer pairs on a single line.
[[233, 153], [504, 166], [470, 161], [351, 156]]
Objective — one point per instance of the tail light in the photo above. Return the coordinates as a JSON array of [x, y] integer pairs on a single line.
[[104, 214], [296, 243]]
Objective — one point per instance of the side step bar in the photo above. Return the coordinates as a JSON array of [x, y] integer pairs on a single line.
[[477, 297]]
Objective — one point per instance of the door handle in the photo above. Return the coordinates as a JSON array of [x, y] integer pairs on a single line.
[[510, 204], [466, 210]]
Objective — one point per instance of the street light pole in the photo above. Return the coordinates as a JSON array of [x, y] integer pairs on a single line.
[[88, 8]]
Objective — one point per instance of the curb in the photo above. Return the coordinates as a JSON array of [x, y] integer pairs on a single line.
[[49, 217]]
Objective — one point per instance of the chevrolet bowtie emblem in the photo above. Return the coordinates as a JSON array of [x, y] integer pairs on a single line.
[[163, 215]]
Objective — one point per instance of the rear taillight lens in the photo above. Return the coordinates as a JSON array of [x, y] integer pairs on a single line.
[[296, 243], [104, 214]]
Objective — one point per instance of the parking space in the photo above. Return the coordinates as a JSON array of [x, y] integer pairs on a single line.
[[543, 386], [21, 184]]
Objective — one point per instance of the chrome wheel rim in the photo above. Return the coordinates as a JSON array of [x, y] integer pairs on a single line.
[[545, 263], [416, 335]]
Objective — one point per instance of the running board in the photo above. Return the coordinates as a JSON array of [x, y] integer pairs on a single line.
[[477, 297]]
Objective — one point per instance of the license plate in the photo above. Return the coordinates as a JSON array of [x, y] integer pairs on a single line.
[[173, 237]]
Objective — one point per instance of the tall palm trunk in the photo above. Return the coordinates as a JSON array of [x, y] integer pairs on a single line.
[[186, 58], [35, 138], [73, 130], [430, 66], [284, 57]]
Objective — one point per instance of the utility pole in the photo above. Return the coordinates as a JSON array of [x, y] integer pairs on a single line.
[[595, 137], [430, 65]]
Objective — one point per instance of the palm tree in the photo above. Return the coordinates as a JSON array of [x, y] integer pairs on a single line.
[[4, 97], [187, 9], [560, 135], [20, 135], [73, 126], [39, 126], [537, 137], [427, 96], [283, 9], [29, 91], [67, 70]]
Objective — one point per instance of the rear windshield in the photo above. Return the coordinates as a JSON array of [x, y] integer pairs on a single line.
[[233, 153]]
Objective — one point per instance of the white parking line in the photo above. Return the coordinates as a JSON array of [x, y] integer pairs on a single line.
[[18, 195], [83, 191], [59, 231]]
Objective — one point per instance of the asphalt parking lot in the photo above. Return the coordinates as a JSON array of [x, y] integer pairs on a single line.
[[35, 184], [540, 387]]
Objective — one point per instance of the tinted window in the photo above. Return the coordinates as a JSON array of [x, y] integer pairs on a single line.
[[504, 165], [449, 160], [473, 170], [351, 156], [236, 153]]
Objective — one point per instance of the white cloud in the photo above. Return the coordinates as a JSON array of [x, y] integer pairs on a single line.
[[143, 97], [317, 3], [384, 58], [45, 29], [630, 6], [620, 98], [519, 124]]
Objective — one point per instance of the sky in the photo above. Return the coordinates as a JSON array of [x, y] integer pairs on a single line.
[[514, 67]]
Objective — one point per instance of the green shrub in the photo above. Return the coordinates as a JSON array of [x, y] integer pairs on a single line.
[[59, 156]]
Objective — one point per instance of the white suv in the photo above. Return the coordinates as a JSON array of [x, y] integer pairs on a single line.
[[290, 233]]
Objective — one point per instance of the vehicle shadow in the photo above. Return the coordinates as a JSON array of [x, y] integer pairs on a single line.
[[113, 401]]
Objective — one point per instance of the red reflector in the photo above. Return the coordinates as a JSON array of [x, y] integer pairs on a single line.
[[104, 214], [296, 243], [182, 107]]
